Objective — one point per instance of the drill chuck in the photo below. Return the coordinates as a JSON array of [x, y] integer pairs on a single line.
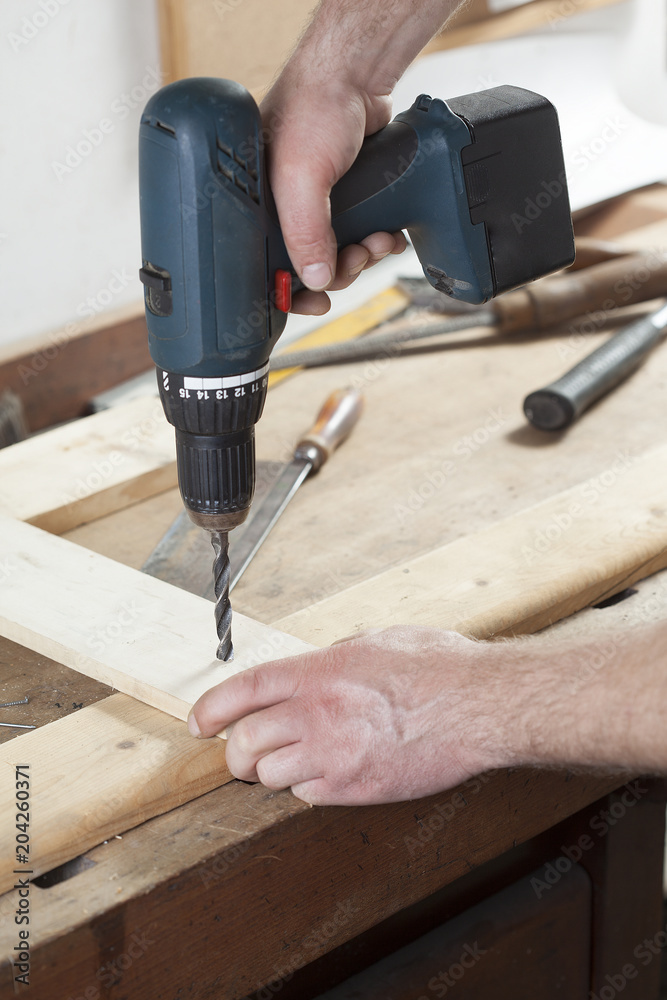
[[215, 422], [216, 476]]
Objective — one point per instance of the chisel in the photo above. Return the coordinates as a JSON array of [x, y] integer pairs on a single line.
[[559, 404], [334, 422]]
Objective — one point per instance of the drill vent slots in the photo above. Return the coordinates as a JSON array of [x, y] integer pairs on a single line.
[[235, 168]]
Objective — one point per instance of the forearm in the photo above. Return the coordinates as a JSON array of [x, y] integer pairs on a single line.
[[370, 42], [601, 703]]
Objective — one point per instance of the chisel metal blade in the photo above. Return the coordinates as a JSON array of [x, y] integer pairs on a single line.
[[182, 557], [244, 544], [334, 422]]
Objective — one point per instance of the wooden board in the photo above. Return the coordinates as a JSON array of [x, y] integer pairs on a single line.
[[52, 689], [225, 846], [124, 628], [154, 641], [81, 471], [522, 573], [139, 635], [97, 773], [258, 875], [56, 374], [584, 441], [515, 21]]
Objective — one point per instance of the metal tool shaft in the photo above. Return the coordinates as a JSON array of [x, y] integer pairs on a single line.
[[223, 607], [393, 337], [243, 547]]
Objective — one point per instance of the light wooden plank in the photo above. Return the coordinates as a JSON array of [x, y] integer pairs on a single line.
[[522, 573], [513, 22], [97, 773], [118, 762], [122, 627], [83, 470]]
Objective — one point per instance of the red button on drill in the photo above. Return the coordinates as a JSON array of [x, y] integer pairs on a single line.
[[283, 282]]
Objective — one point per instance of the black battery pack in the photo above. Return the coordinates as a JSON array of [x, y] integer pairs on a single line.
[[516, 184]]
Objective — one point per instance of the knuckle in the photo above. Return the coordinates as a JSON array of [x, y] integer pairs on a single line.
[[207, 716], [253, 681], [245, 735], [269, 775]]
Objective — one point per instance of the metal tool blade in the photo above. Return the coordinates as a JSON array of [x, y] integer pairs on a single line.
[[182, 557], [244, 544]]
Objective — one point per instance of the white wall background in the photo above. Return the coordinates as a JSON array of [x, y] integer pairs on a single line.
[[69, 240], [69, 232]]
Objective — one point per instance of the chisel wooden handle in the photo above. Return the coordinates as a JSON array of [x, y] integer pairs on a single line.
[[604, 287], [590, 251], [334, 422]]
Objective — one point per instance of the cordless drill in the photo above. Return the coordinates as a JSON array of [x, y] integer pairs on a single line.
[[458, 175]]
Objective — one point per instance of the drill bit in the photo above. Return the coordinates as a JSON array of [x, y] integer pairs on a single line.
[[223, 607]]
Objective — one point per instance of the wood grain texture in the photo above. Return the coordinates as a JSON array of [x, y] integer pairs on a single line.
[[248, 824], [522, 573], [53, 690], [512, 22], [97, 773], [131, 631], [86, 469], [511, 934], [130, 535], [56, 374], [245, 41], [300, 881]]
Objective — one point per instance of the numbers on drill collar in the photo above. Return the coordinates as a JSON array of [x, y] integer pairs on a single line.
[[224, 387], [224, 405], [221, 394]]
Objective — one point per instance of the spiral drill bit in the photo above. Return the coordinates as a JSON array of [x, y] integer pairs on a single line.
[[223, 607]]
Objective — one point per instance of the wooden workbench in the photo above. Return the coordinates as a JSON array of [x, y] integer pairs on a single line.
[[242, 887]]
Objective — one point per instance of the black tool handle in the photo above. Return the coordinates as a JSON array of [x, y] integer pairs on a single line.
[[559, 404]]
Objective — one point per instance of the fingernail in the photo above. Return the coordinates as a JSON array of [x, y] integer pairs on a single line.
[[356, 270], [316, 276], [192, 725]]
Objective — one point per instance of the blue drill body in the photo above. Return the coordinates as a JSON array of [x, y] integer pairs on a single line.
[[208, 218], [457, 175]]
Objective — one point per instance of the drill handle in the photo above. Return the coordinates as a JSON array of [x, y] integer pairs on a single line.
[[409, 176]]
